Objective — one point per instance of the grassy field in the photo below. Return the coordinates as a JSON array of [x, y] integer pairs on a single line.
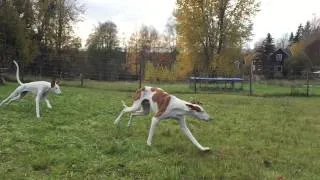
[[251, 138]]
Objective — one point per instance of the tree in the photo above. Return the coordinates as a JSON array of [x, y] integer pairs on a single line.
[[205, 28], [37, 33], [132, 57], [104, 37], [143, 46], [15, 38], [262, 51], [283, 42], [170, 35], [312, 50], [305, 51], [67, 12], [291, 39], [259, 57], [103, 50], [268, 48], [306, 32], [299, 33], [268, 44]]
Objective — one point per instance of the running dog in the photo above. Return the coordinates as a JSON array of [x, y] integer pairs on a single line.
[[164, 106], [40, 88]]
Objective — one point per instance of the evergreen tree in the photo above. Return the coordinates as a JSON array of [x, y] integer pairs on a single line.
[[306, 30], [298, 35], [268, 45], [262, 55], [291, 39]]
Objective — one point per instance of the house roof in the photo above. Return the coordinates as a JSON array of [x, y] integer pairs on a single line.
[[287, 51]]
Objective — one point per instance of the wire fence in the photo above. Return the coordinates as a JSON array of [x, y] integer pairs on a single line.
[[121, 74]]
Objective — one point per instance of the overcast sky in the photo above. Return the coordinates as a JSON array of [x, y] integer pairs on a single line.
[[276, 16]]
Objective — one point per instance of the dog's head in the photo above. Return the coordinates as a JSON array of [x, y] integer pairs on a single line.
[[139, 92], [198, 112], [55, 86]]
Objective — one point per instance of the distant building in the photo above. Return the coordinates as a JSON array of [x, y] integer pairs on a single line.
[[275, 62], [273, 65]]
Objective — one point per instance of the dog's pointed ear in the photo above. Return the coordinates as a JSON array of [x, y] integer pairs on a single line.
[[138, 93], [53, 83], [193, 108]]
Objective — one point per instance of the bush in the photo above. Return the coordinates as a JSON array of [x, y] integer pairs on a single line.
[[296, 65], [156, 74]]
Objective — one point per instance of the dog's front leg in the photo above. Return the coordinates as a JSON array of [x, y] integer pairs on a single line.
[[47, 102], [154, 123], [185, 129], [38, 105]]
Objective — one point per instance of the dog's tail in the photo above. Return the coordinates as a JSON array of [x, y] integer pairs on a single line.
[[124, 104], [17, 74]]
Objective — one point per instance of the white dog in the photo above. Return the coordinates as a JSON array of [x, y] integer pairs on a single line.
[[40, 88], [164, 106]]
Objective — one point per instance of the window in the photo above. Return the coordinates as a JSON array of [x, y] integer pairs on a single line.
[[278, 57], [278, 68]]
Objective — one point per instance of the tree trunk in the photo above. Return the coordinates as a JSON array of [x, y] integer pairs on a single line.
[[222, 12]]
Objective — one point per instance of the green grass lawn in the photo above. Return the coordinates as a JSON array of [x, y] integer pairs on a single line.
[[251, 138]]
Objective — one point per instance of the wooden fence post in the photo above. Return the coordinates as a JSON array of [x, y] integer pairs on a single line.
[[81, 79], [308, 83], [250, 80]]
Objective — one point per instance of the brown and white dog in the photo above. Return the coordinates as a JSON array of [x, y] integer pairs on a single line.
[[164, 106]]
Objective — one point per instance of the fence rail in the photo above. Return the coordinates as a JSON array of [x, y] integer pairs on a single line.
[[130, 76]]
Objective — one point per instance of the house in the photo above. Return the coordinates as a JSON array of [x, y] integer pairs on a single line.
[[274, 65]]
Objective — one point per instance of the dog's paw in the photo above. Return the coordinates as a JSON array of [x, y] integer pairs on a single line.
[[149, 143], [205, 149], [50, 107]]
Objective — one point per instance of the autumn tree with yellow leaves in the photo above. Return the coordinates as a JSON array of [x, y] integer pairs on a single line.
[[208, 29]]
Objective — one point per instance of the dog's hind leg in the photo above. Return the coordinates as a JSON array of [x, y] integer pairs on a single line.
[[185, 129], [145, 109], [13, 99], [5, 100], [136, 105], [138, 113], [12, 95]]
